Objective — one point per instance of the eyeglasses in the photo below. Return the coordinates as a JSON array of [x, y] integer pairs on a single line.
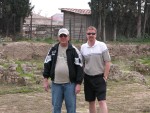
[[91, 33], [62, 35]]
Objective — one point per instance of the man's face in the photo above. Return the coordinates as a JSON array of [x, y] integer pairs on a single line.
[[63, 39], [91, 35]]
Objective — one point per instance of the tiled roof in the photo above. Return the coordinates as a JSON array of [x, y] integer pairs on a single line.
[[78, 11]]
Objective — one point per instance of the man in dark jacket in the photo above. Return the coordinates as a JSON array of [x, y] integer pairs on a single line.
[[64, 66]]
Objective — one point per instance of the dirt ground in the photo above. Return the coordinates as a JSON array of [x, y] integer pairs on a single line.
[[121, 98]]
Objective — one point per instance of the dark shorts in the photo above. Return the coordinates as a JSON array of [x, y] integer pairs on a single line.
[[94, 87]]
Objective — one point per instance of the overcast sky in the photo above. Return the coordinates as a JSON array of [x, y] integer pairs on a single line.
[[50, 7]]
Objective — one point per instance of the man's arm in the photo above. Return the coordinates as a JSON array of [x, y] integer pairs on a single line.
[[107, 69], [46, 84]]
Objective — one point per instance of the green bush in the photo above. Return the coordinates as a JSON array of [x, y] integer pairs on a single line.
[[144, 39]]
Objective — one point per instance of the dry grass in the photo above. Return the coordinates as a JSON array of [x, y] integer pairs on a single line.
[[128, 98], [122, 97]]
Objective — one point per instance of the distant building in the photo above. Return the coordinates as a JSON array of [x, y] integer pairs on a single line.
[[75, 20], [57, 20], [41, 26]]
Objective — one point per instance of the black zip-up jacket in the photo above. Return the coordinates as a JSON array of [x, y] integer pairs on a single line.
[[73, 60]]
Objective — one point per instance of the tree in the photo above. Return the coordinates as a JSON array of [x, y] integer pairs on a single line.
[[95, 13], [146, 14], [122, 12], [120, 17], [116, 11], [13, 15], [99, 10], [139, 20]]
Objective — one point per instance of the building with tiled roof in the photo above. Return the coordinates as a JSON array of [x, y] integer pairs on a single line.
[[77, 21]]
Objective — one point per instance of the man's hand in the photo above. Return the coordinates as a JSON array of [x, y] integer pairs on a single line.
[[78, 88], [46, 84], [105, 78]]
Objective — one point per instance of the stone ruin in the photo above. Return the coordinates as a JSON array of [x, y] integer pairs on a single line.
[[28, 51], [11, 76]]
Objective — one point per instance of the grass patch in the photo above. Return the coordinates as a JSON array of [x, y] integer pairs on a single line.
[[24, 89], [38, 39], [45, 40], [148, 80], [38, 63], [27, 75], [20, 70], [141, 40], [123, 65], [145, 61], [6, 65], [52, 40]]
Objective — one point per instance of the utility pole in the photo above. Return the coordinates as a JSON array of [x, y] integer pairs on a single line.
[[70, 28], [14, 26], [51, 26], [31, 26]]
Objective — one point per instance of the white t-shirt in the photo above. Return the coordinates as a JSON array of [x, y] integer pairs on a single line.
[[61, 69]]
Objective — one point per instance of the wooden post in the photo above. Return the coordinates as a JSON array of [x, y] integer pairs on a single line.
[[31, 26], [51, 26]]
